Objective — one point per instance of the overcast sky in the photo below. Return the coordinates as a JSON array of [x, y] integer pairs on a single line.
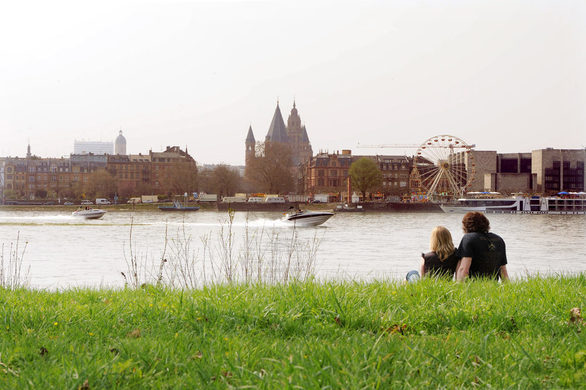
[[505, 75]]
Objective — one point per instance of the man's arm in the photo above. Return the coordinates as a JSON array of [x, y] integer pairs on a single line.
[[463, 269], [504, 273]]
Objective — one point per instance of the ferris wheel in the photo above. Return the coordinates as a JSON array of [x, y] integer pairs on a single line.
[[445, 166]]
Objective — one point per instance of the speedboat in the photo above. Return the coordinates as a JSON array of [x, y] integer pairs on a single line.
[[306, 218], [89, 213]]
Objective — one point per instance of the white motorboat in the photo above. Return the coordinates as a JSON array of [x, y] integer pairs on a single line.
[[89, 213], [306, 218]]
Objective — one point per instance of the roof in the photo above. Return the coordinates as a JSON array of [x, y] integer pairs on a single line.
[[250, 136], [120, 138], [277, 130], [304, 137]]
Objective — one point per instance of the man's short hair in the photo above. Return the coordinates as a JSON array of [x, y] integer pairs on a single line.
[[475, 222]]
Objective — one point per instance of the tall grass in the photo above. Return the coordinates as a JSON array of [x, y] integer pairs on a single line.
[[12, 274], [223, 257]]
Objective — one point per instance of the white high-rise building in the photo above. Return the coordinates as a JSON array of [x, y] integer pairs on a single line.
[[95, 147]]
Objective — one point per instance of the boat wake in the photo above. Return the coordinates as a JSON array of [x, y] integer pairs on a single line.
[[261, 223]]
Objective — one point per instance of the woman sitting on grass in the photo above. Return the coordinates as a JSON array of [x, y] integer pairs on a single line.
[[443, 259]]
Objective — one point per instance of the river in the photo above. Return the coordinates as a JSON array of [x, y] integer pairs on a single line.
[[63, 252]]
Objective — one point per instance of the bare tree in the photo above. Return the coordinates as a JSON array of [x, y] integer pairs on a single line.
[[226, 180], [101, 184], [270, 170], [181, 179]]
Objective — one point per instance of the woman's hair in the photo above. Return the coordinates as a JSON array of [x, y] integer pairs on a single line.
[[475, 222], [441, 242]]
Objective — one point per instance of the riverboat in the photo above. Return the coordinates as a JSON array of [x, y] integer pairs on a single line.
[[89, 213], [306, 217], [572, 203]]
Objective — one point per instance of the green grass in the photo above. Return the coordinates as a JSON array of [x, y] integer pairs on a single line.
[[350, 335]]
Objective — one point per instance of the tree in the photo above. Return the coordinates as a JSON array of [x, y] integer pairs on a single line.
[[225, 180], [41, 194], [270, 169], [222, 180], [365, 175], [101, 184], [126, 190], [181, 179]]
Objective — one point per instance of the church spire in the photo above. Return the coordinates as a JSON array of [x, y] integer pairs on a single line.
[[28, 150], [277, 131], [250, 136]]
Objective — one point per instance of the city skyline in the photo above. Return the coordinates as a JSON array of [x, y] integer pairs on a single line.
[[509, 77]]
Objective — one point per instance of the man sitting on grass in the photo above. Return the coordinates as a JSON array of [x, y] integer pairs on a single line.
[[483, 253]]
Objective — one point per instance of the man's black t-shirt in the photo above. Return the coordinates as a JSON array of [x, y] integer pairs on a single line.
[[487, 251], [434, 266]]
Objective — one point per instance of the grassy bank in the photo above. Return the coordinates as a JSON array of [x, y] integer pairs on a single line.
[[309, 335]]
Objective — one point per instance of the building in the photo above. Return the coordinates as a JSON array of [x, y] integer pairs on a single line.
[[545, 171], [294, 135], [513, 174], [94, 147], [475, 164], [120, 145], [396, 172], [132, 174], [2, 163], [35, 178], [558, 169], [297, 138], [327, 173], [173, 171]]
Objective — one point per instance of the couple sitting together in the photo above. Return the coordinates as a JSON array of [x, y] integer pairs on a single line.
[[480, 253]]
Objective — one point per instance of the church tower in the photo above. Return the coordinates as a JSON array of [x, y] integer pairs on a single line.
[[298, 139], [250, 146]]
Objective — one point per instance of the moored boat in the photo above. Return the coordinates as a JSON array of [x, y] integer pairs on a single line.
[[306, 218], [89, 213], [572, 203], [178, 207]]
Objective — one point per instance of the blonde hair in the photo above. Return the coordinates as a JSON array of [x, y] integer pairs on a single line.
[[441, 242]]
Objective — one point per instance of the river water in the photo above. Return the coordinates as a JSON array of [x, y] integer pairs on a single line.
[[62, 251]]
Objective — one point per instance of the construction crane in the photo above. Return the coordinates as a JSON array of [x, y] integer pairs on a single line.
[[402, 146], [388, 146]]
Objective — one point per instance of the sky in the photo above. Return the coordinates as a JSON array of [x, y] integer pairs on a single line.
[[503, 75]]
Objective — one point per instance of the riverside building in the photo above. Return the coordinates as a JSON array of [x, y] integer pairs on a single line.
[[36, 178]]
